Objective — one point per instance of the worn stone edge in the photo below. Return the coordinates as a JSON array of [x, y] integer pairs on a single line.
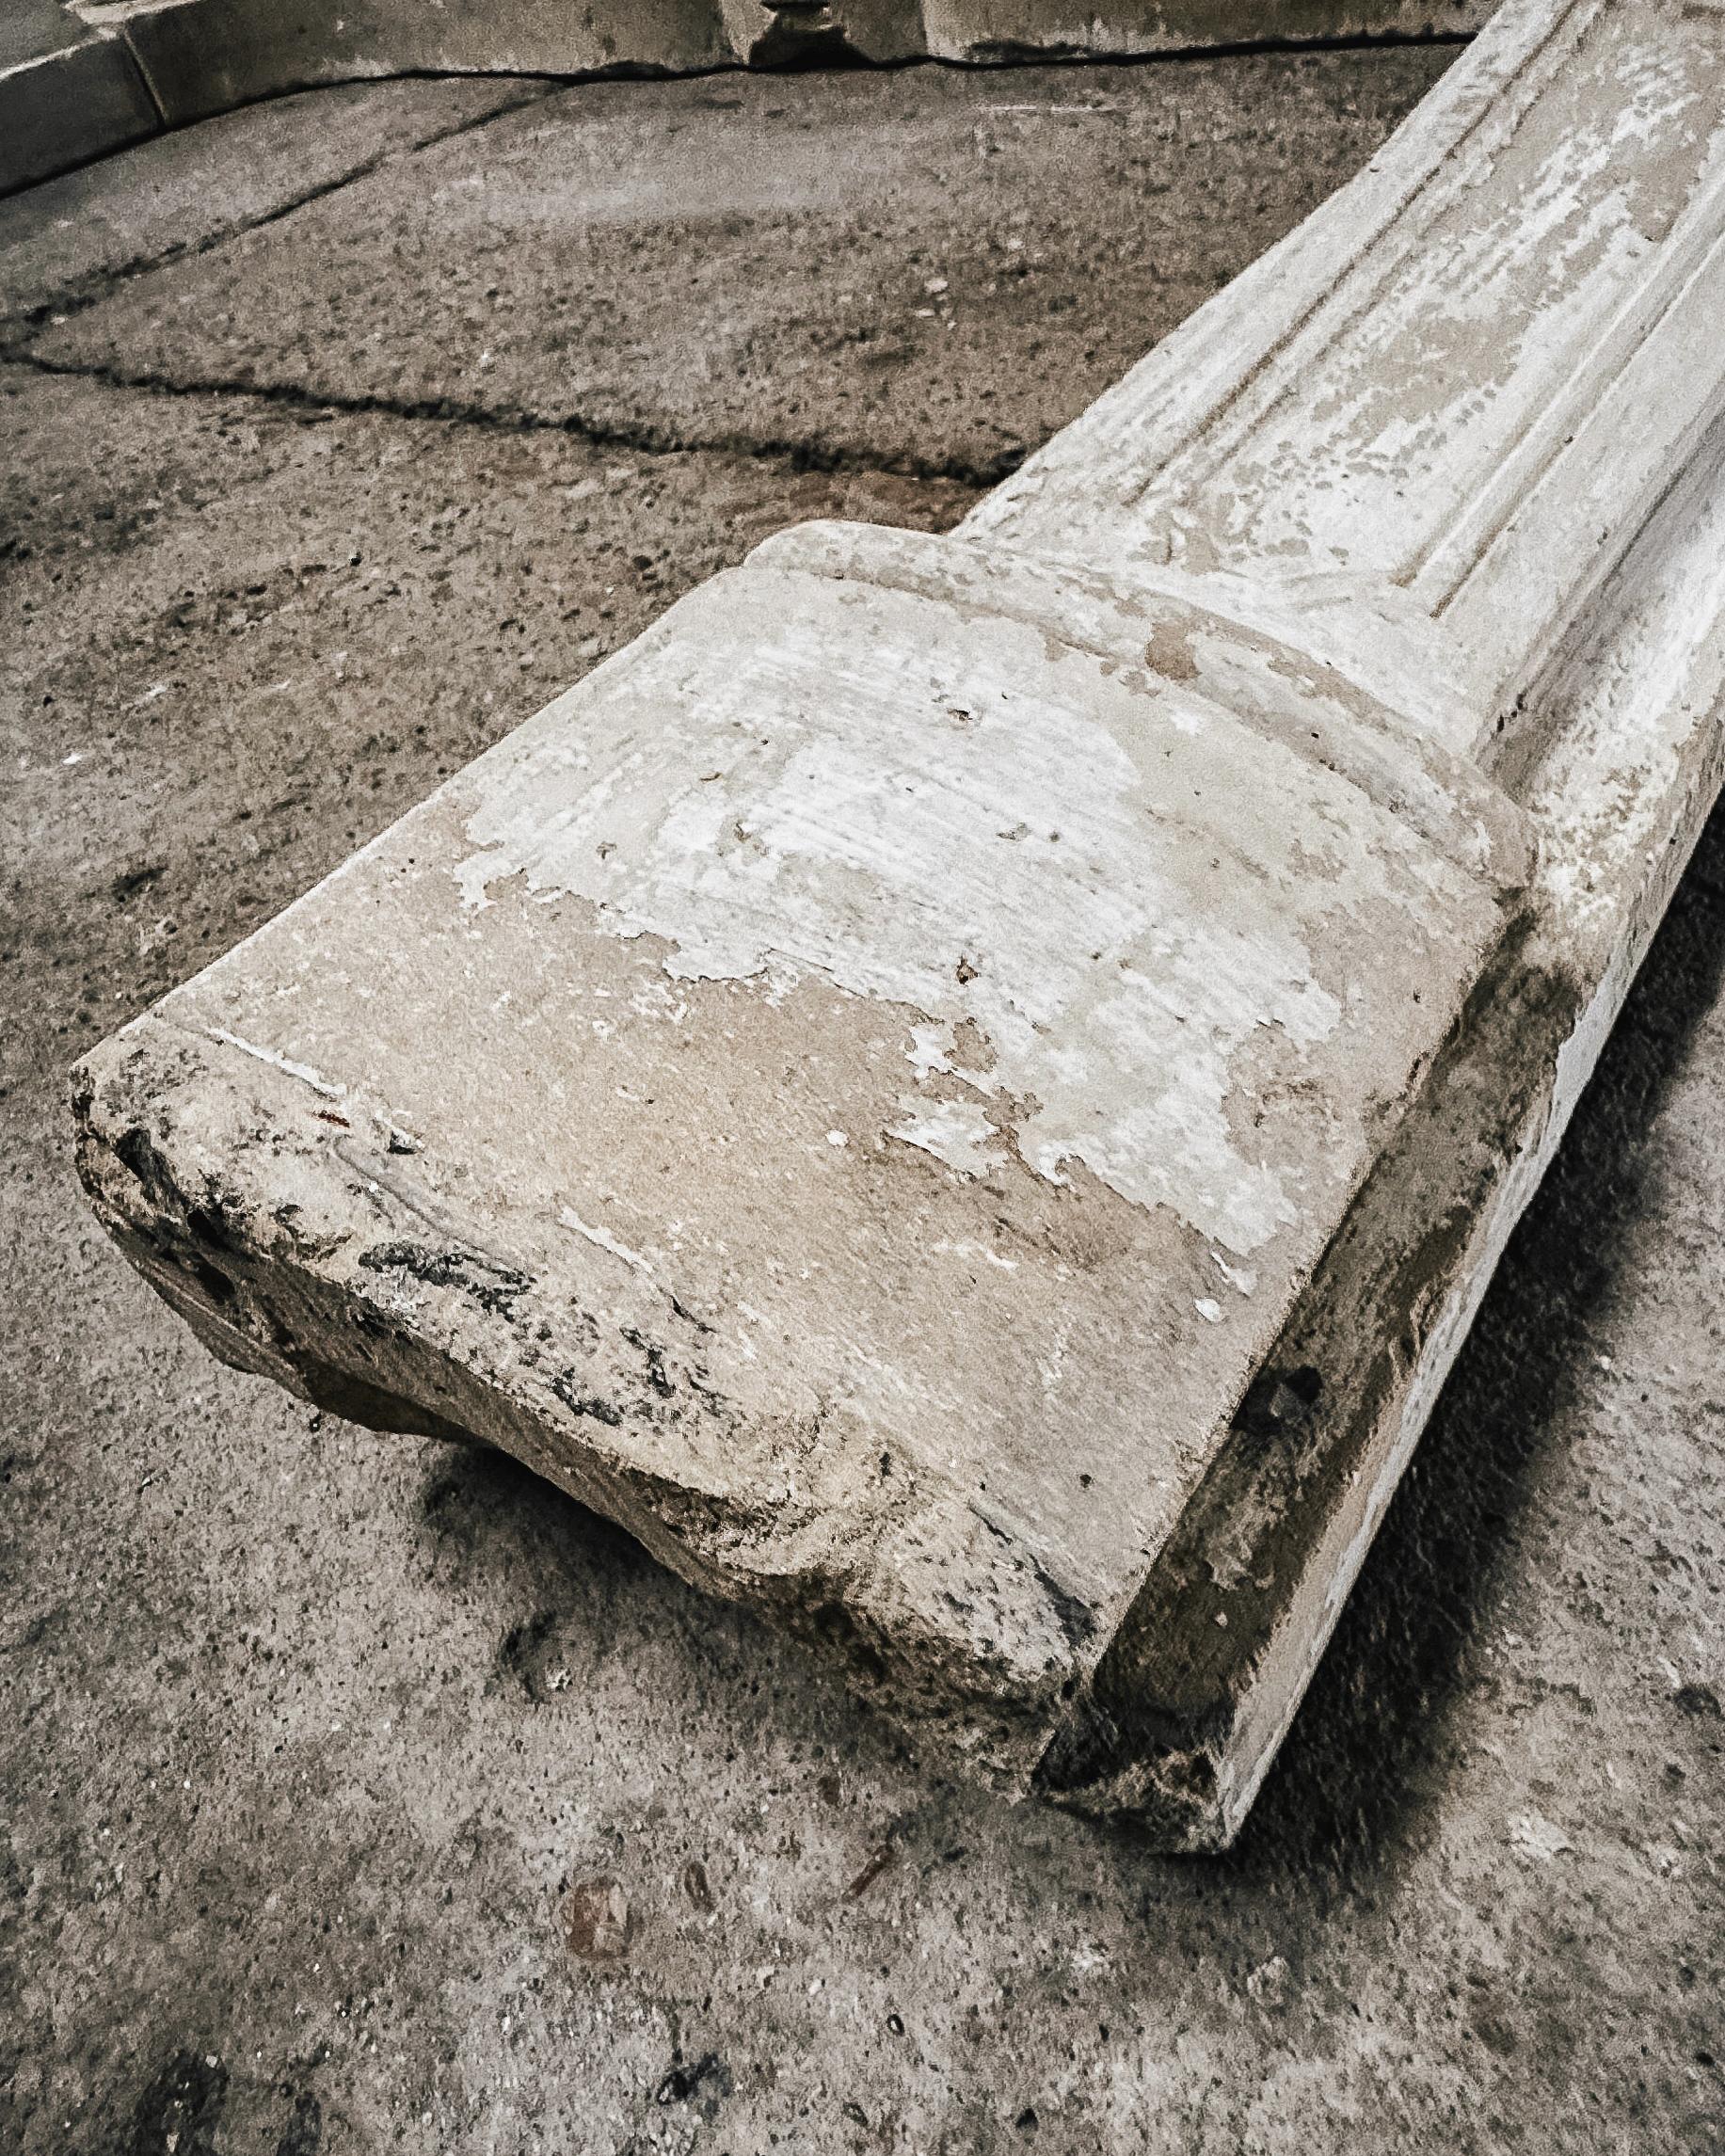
[[1189, 1708]]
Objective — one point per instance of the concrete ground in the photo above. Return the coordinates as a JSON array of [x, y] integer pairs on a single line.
[[363, 1794]]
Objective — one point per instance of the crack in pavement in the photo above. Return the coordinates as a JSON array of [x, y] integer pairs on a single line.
[[76, 300], [78, 297], [1008, 55], [640, 437]]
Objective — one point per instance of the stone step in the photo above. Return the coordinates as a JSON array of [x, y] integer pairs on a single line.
[[66, 94]]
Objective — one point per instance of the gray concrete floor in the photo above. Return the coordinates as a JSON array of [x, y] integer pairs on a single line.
[[337, 434]]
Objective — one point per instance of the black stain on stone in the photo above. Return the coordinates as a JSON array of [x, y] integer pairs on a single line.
[[656, 1373], [495, 1287], [1278, 1404], [708, 2079], [567, 1389], [180, 2111]]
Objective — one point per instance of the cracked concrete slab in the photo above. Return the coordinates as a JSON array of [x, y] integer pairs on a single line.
[[737, 260], [70, 239], [268, 580], [364, 1793]]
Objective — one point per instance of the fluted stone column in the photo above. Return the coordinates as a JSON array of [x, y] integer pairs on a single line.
[[967, 1089]]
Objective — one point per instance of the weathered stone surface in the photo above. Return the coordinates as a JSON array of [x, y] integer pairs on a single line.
[[1186, 1712], [869, 1146], [969, 1099], [1477, 420]]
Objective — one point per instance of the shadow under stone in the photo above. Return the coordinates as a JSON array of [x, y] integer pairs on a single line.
[[1356, 1775]]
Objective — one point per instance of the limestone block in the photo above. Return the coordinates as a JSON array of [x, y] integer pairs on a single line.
[[967, 1089]]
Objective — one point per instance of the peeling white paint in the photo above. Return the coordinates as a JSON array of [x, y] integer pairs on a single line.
[[474, 875], [977, 1250], [603, 1239], [806, 814], [957, 1132], [303, 1072]]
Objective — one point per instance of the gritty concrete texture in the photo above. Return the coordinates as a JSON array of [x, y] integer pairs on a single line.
[[363, 1793], [758, 272], [72, 241]]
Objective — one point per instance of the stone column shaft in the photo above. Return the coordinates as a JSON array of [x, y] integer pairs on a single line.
[[968, 1090]]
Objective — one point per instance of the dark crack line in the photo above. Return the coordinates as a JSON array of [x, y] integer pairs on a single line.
[[75, 298], [101, 285], [1007, 54], [641, 439]]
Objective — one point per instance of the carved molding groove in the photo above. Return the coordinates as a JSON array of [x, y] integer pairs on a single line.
[[967, 1089], [79, 78]]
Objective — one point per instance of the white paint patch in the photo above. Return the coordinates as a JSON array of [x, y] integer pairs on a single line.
[[775, 788], [977, 1250], [955, 1131], [303, 1072], [1241, 1276], [474, 873], [931, 1050], [603, 1239]]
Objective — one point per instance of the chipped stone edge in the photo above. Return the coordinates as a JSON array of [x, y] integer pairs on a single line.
[[1190, 1706]]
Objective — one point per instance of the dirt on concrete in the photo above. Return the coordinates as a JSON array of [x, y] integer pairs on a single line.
[[363, 1793]]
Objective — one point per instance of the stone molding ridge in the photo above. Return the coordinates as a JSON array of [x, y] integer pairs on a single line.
[[1308, 423], [967, 1089]]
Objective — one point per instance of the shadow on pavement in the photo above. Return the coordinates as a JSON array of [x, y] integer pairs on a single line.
[[1346, 1792]]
